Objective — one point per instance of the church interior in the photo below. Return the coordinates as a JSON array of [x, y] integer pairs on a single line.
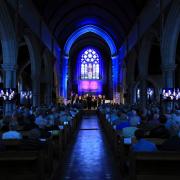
[[89, 90]]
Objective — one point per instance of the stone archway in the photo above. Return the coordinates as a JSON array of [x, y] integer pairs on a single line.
[[35, 59], [143, 61], [137, 85], [71, 40], [169, 44], [48, 61], [131, 64], [9, 51]]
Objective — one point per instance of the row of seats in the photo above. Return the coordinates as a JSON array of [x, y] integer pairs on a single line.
[[18, 163], [160, 165]]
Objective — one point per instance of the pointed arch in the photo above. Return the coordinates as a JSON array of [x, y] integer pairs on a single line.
[[87, 29]]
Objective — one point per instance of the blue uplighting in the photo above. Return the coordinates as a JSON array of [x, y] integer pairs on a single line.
[[86, 29], [72, 39]]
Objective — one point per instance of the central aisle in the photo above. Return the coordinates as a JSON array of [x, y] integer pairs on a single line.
[[89, 157]]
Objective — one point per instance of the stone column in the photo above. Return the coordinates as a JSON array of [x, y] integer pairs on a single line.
[[115, 73], [48, 93], [64, 79], [169, 81], [169, 75], [9, 82], [49, 86], [58, 77], [131, 62], [143, 93], [36, 89], [178, 72], [130, 93]]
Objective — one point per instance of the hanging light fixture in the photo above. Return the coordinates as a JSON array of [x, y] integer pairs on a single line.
[[7, 94]]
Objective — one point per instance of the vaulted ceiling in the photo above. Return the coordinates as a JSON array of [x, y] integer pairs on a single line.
[[116, 17]]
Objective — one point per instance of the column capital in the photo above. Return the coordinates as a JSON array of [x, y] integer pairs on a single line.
[[65, 56], [114, 57]]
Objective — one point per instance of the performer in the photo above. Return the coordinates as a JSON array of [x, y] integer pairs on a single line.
[[72, 98], [99, 100], [103, 99], [89, 101], [76, 99], [94, 102], [84, 101]]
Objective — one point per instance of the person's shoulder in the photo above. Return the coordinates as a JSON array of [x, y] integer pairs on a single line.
[[149, 143]]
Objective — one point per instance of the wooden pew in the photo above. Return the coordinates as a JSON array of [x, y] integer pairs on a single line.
[[57, 141], [47, 150], [21, 165], [154, 166]]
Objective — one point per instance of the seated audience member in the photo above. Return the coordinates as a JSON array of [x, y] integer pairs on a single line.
[[144, 123], [154, 122], [155, 119], [5, 123], [130, 127], [170, 124], [122, 121], [143, 145], [41, 121], [112, 117], [12, 133], [160, 131], [176, 117], [122, 125], [15, 119], [128, 131], [173, 143], [134, 119]]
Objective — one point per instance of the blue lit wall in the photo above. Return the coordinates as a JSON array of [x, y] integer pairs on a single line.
[[68, 45], [87, 29]]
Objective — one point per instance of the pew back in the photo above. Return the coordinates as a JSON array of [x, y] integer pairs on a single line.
[[21, 165], [155, 165]]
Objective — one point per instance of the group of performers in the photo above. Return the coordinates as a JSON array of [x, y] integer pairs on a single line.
[[87, 100]]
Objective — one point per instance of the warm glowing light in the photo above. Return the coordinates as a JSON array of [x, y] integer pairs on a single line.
[[89, 85]]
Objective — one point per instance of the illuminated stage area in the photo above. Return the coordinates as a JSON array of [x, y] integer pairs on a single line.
[[90, 72], [90, 63]]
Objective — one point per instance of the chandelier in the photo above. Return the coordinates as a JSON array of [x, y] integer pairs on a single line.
[[171, 94], [7, 94], [26, 95]]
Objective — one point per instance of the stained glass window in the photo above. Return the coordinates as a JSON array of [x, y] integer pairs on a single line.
[[90, 64]]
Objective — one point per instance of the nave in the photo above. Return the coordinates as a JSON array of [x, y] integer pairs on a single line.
[[59, 59], [89, 156]]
